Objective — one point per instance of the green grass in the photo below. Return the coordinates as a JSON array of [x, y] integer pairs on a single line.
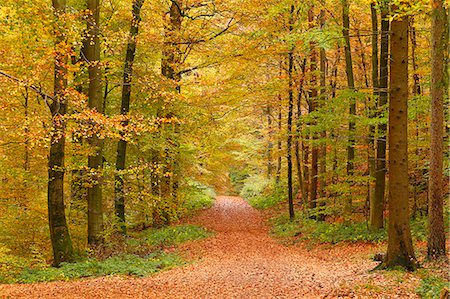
[[118, 265], [174, 235]]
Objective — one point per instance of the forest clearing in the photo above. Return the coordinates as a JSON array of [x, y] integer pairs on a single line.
[[224, 149]]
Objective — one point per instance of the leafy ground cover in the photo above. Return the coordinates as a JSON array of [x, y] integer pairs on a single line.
[[143, 253]]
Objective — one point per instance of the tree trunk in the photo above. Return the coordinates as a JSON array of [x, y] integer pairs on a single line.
[[323, 135], [380, 163], [290, 114], [298, 132], [376, 208], [119, 200], [170, 69], [269, 143], [59, 231], [278, 174], [95, 208], [400, 251], [352, 107], [312, 108], [439, 45]]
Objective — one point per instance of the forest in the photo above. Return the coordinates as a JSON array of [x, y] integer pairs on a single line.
[[224, 148]]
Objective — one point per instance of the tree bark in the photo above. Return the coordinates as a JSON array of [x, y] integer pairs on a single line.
[[352, 105], [119, 200], [376, 207], [59, 231], [323, 135], [290, 114], [400, 251], [170, 63], [312, 108], [439, 45], [95, 206], [380, 163]]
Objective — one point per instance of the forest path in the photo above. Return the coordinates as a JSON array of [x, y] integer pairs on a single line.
[[241, 261]]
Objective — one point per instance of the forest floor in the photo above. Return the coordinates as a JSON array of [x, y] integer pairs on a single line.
[[243, 261]]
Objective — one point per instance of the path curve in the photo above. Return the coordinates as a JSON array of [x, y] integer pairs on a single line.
[[241, 261]]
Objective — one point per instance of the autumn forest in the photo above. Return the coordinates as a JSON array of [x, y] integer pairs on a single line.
[[224, 148]]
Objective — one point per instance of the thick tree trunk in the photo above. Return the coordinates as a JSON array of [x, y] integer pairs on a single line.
[[352, 106], [439, 46], [380, 163], [376, 208], [400, 251], [59, 232], [95, 205], [119, 200]]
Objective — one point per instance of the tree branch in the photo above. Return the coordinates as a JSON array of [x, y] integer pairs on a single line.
[[37, 89]]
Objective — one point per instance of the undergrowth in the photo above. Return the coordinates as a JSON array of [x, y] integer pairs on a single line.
[[126, 264], [174, 235], [141, 254], [303, 228]]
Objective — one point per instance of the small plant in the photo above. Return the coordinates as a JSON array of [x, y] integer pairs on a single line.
[[431, 287], [174, 235]]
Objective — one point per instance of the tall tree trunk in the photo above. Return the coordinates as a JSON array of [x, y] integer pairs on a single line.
[[290, 114], [119, 200], [417, 90], [280, 133], [400, 251], [59, 231], [26, 131], [376, 207], [352, 107], [439, 45], [170, 62], [95, 205], [312, 108], [298, 132], [323, 135], [269, 142], [380, 163], [278, 174]]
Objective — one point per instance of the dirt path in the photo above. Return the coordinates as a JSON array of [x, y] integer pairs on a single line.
[[241, 261]]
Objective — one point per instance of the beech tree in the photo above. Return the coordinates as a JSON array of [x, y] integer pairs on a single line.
[[439, 46], [119, 200], [95, 97], [400, 251], [59, 232], [352, 104]]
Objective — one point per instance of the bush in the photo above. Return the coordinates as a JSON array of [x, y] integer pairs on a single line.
[[174, 235], [261, 193], [197, 196], [326, 232], [117, 265]]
